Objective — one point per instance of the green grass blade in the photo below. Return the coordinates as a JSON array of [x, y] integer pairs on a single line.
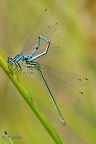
[[4, 141], [27, 97]]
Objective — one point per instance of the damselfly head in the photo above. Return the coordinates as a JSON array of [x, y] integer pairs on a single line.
[[9, 60]]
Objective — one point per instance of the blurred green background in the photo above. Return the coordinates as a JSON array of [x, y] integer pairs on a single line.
[[17, 18]]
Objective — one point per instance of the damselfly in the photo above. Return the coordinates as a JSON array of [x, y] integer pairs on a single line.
[[68, 80], [41, 34]]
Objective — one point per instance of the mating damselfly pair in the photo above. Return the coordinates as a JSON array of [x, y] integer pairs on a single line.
[[37, 46]]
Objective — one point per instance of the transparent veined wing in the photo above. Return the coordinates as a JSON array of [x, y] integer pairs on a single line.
[[71, 82], [46, 27]]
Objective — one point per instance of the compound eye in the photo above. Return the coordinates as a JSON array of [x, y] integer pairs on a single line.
[[26, 60], [9, 60]]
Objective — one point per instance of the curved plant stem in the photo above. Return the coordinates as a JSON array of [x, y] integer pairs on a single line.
[[27, 97]]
